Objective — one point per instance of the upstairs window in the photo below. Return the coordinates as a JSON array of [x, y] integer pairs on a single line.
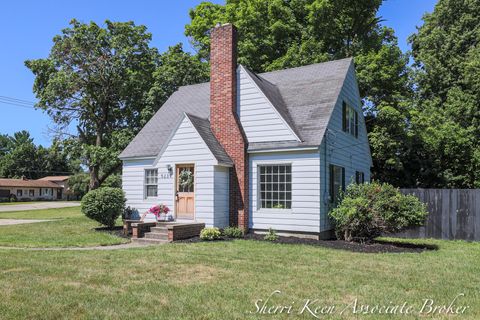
[[275, 189], [337, 182], [359, 177], [349, 120], [151, 183]]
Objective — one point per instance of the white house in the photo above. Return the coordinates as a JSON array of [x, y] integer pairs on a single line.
[[269, 150]]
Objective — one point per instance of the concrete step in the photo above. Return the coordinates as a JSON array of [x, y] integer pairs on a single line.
[[154, 235], [149, 241], [162, 230]]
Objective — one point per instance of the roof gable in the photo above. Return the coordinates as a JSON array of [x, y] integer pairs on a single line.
[[309, 94], [274, 98], [202, 129]]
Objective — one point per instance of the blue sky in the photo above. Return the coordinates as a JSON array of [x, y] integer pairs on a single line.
[[29, 26]]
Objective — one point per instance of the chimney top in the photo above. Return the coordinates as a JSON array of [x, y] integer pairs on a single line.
[[219, 25]]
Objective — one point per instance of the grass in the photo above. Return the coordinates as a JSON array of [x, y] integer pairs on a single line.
[[70, 228], [222, 280], [218, 280]]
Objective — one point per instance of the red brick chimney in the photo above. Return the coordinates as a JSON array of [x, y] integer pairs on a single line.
[[224, 121]]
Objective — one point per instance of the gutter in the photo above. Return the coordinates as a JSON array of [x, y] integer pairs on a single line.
[[287, 149]]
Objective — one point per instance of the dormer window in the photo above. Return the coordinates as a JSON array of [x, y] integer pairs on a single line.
[[349, 120]]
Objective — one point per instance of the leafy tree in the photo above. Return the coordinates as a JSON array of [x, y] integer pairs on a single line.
[[446, 54], [109, 82], [97, 78], [277, 34], [21, 157], [280, 34], [176, 68]]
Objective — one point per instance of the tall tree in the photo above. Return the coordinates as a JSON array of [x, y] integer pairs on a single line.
[[22, 158], [98, 79], [109, 82], [176, 68], [277, 34], [446, 52]]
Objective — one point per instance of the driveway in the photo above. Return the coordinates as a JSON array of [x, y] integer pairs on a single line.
[[37, 206]]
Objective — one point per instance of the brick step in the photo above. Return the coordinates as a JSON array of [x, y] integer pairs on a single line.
[[162, 230], [153, 235], [149, 241]]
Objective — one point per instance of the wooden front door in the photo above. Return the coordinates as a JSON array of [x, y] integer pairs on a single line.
[[185, 191]]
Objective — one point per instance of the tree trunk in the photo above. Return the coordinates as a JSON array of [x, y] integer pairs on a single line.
[[95, 169], [94, 180]]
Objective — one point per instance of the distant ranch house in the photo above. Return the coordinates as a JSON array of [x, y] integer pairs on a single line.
[[47, 188]]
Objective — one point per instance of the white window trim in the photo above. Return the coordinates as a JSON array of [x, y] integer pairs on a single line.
[[145, 185], [259, 208]]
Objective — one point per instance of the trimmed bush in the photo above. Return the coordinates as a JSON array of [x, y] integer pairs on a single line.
[[209, 234], [369, 210], [271, 235], [233, 232], [104, 205]]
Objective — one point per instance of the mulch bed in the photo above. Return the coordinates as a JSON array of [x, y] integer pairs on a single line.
[[372, 247]]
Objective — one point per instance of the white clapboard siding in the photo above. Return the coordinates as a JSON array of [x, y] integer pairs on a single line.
[[305, 213], [185, 147], [344, 149], [259, 119], [221, 196], [133, 175]]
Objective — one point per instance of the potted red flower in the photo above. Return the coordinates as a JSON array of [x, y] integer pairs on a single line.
[[160, 211]]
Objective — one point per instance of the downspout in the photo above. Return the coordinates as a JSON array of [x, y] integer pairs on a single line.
[[325, 192]]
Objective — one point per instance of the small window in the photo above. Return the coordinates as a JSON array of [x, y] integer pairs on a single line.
[[151, 183], [275, 186], [19, 193], [31, 193], [349, 120], [337, 182], [359, 177]]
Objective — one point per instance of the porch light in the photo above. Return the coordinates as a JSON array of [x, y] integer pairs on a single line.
[[169, 168]]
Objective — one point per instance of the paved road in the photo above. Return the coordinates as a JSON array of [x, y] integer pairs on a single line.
[[38, 206]]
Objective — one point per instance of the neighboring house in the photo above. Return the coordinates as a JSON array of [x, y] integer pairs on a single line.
[[22, 189], [260, 151], [64, 192]]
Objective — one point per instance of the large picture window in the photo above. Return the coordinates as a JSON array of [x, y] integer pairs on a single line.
[[337, 182], [350, 120], [151, 183], [275, 185]]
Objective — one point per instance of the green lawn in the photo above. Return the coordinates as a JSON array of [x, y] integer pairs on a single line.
[[222, 280], [70, 228]]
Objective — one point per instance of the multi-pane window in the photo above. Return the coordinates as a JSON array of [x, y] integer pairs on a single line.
[[31, 193], [275, 186], [151, 182], [337, 182], [350, 120], [19, 193], [359, 177]]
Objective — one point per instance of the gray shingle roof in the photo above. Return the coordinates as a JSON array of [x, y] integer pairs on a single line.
[[304, 96], [203, 128]]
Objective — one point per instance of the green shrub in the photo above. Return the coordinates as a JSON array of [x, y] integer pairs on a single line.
[[210, 234], [104, 205], [368, 210], [233, 232], [271, 235]]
